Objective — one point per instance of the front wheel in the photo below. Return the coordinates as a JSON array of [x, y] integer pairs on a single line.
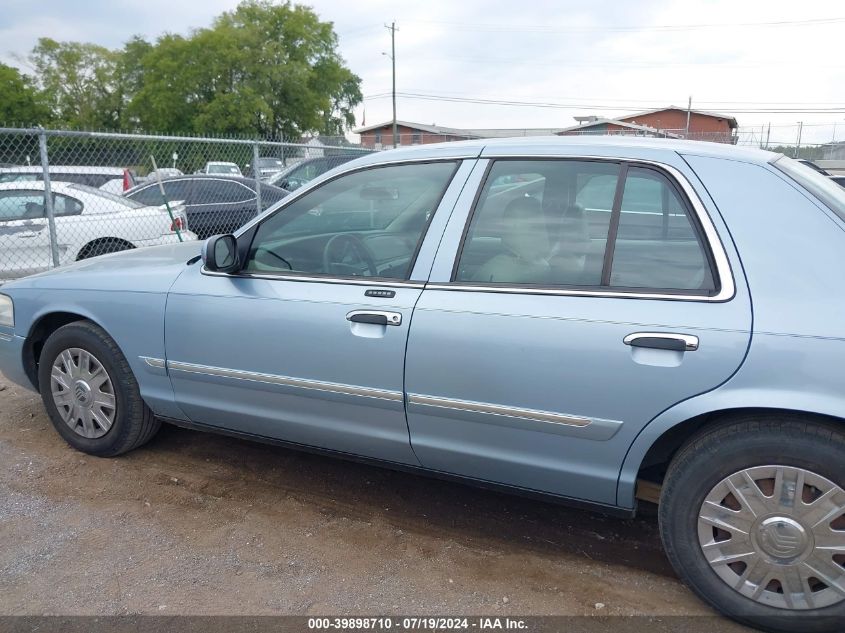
[[90, 393], [752, 516]]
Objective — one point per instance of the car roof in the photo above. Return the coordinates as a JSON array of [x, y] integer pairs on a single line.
[[249, 182], [621, 146], [63, 169], [221, 162]]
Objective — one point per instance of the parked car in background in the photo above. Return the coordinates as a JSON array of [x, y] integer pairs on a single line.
[[447, 309], [216, 167], [106, 178], [161, 172], [215, 204], [839, 180], [88, 222], [267, 168], [297, 175], [813, 166]]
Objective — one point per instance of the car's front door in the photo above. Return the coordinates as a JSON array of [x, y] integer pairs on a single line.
[[583, 298], [307, 342], [24, 236]]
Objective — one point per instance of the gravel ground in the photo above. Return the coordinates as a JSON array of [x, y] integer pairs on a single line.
[[201, 524]]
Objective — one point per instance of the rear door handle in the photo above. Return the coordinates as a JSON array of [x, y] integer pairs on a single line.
[[27, 235], [375, 317], [662, 340]]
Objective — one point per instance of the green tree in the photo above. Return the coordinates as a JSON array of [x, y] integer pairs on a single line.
[[20, 101], [79, 82], [263, 69]]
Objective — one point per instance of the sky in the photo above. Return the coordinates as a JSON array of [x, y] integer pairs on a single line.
[[602, 57]]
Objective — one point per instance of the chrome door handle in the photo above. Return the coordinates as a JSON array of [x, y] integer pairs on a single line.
[[662, 340], [27, 235], [375, 317]]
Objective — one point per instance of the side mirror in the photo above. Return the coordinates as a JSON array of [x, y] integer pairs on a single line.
[[220, 254]]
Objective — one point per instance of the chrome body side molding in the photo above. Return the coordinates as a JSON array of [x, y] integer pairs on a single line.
[[284, 381], [527, 419]]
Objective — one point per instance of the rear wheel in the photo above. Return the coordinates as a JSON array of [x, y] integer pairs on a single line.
[[103, 246], [752, 516], [90, 393]]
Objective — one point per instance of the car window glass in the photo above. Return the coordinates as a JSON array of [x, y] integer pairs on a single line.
[[657, 244], [149, 195], [215, 191], [21, 205], [367, 223], [540, 223], [65, 205]]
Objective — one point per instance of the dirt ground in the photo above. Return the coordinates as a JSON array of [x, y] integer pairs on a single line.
[[201, 524]]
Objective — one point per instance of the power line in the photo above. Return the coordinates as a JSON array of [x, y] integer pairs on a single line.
[[609, 100], [544, 28], [593, 106]]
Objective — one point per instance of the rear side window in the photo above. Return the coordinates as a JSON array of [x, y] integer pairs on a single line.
[[579, 223], [221, 192], [822, 187], [657, 244], [65, 205]]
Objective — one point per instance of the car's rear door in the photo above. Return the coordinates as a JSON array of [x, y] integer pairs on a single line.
[[24, 236], [307, 342], [537, 353]]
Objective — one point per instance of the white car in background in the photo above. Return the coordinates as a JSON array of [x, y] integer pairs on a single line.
[[88, 222], [219, 167], [106, 178]]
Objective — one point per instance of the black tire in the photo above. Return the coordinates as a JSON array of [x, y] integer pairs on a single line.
[[103, 247], [706, 460], [134, 423]]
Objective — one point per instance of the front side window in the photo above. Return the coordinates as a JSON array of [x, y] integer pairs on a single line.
[[21, 205], [563, 223], [368, 223]]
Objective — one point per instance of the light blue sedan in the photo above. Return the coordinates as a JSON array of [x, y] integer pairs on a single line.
[[577, 317]]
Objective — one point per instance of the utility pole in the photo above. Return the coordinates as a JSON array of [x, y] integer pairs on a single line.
[[392, 29], [798, 143], [689, 110], [768, 132]]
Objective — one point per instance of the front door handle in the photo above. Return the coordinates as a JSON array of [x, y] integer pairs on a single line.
[[662, 340], [375, 317]]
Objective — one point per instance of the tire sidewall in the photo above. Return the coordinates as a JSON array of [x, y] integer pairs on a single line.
[[697, 473], [78, 336]]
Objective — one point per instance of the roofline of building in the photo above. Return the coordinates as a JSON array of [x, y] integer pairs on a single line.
[[731, 120], [620, 123]]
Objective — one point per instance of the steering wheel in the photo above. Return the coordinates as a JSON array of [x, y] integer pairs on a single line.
[[343, 245]]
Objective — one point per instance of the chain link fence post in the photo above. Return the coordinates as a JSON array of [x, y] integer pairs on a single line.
[[48, 198], [256, 171]]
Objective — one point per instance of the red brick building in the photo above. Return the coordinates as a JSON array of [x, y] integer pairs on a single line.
[[381, 135], [703, 126]]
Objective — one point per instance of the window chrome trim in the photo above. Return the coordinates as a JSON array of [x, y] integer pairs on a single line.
[[724, 273], [354, 281], [286, 381]]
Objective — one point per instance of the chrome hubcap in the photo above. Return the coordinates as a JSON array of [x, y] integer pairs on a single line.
[[83, 393], [776, 534]]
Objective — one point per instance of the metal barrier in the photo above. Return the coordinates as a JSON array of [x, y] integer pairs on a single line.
[[69, 195]]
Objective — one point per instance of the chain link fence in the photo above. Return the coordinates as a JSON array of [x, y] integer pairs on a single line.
[[67, 196]]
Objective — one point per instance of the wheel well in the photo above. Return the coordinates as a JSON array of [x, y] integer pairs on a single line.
[[38, 335], [658, 457], [94, 247]]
